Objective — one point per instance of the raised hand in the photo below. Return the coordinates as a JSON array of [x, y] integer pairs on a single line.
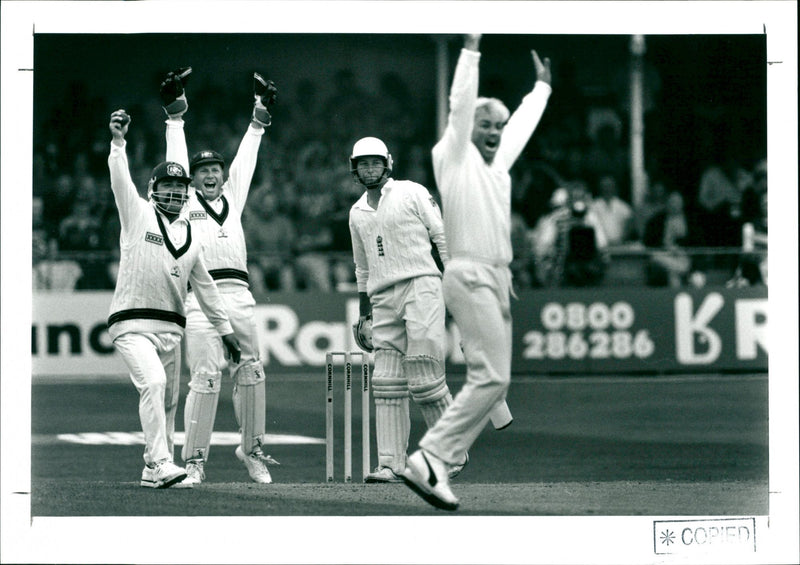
[[118, 124], [173, 96], [266, 94], [471, 41], [542, 68]]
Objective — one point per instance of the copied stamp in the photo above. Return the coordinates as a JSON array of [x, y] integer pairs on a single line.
[[713, 535]]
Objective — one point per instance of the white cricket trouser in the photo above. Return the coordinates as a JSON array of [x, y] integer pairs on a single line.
[[477, 296], [204, 350], [409, 317], [205, 360], [407, 324], [154, 364]]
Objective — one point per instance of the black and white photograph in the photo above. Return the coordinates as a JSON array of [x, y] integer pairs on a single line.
[[399, 282]]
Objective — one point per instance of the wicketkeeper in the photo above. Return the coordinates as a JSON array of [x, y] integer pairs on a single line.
[[215, 209]]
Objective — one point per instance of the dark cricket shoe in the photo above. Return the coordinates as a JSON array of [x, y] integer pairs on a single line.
[[426, 475]]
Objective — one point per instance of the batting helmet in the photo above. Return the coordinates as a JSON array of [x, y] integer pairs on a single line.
[[204, 158], [370, 147], [168, 201], [168, 170]]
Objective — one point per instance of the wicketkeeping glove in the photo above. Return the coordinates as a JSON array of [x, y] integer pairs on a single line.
[[362, 333], [266, 94], [173, 96]]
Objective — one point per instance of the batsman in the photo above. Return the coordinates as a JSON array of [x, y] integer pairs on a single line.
[[393, 227], [215, 211]]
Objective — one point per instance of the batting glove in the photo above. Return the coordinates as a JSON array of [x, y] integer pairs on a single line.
[[362, 333], [172, 93], [266, 94]]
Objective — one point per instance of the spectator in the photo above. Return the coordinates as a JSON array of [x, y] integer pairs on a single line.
[[82, 232], [752, 268], [270, 236], [344, 109], [654, 201], [614, 214], [49, 274], [304, 120], [340, 249], [314, 237], [667, 233], [751, 196], [40, 239], [606, 155], [419, 167], [395, 113], [522, 264], [58, 202], [719, 199], [569, 242], [531, 185]]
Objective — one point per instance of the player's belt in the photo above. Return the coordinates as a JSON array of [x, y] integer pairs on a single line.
[[220, 274], [147, 314]]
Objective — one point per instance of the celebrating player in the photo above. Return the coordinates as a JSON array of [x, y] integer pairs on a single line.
[[401, 306], [471, 164], [158, 258], [215, 210]]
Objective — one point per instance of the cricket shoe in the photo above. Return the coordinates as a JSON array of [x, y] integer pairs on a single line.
[[164, 475], [382, 475], [195, 474], [455, 470], [426, 475], [256, 464]]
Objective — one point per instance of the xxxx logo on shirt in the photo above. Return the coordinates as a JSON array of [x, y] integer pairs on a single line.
[[154, 238]]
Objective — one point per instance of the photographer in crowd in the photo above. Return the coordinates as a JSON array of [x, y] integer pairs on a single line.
[[569, 244]]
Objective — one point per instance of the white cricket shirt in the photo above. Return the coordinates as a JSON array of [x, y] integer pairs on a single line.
[[393, 243], [476, 197], [218, 223], [157, 261]]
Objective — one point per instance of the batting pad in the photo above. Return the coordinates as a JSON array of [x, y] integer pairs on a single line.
[[428, 387], [388, 363], [392, 429], [388, 380], [250, 404], [198, 421]]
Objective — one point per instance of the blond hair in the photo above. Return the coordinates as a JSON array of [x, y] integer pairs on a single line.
[[492, 103]]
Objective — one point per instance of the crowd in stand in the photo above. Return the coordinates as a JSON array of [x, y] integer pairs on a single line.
[[572, 211]]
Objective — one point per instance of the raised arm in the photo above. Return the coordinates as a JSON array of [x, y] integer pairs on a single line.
[[524, 120], [125, 194], [265, 94], [175, 104], [463, 94]]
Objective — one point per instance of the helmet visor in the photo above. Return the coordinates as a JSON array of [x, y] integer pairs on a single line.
[[170, 195]]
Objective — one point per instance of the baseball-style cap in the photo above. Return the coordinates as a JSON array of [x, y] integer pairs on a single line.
[[205, 157], [169, 170]]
